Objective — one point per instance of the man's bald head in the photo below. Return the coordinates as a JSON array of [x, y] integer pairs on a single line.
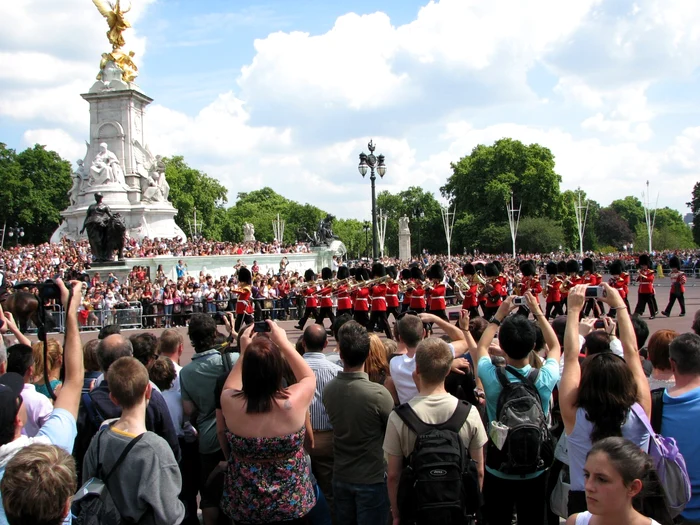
[[112, 348], [315, 338]]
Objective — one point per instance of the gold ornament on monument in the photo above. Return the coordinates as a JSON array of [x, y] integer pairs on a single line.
[[117, 25]]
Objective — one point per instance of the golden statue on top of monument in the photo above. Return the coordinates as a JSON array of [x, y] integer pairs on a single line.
[[117, 25]]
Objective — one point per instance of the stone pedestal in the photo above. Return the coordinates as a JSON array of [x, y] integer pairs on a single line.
[[405, 246]]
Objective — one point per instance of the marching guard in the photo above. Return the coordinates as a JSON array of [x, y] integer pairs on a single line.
[[244, 306], [311, 300], [326, 294], [678, 280], [646, 296]]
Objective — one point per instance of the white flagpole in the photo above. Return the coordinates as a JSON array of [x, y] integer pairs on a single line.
[[448, 221], [512, 221]]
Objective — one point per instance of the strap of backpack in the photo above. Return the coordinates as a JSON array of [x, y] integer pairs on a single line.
[[226, 359], [458, 417], [94, 415], [122, 456], [530, 378], [657, 408], [409, 416]]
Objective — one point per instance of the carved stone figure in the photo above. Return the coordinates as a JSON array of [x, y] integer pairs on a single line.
[[403, 225], [248, 232], [115, 20], [105, 230], [106, 169]]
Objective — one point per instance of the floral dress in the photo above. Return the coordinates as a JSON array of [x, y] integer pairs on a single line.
[[267, 479]]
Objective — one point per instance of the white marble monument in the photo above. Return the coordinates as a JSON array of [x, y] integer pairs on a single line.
[[117, 162], [248, 232], [404, 239]]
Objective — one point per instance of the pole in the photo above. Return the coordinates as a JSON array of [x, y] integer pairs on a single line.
[[375, 248], [4, 228], [382, 232], [449, 226], [512, 222], [581, 219], [650, 219]]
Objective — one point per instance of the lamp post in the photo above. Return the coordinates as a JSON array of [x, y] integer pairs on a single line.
[[418, 214], [371, 162], [365, 227], [13, 231]]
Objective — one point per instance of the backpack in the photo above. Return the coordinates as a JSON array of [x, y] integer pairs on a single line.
[[529, 444], [439, 483], [669, 463], [93, 504]]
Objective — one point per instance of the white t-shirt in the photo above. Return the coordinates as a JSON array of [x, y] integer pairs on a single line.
[[402, 368], [584, 518]]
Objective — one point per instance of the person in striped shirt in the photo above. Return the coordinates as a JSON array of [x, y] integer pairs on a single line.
[[678, 280]]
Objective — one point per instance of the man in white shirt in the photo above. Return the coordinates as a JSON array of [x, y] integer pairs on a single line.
[[20, 361]]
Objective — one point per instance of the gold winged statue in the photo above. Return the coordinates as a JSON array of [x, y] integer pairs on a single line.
[[115, 19]]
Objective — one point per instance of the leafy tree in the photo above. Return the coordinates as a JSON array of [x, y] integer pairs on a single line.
[[631, 210], [538, 235], [670, 237], [190, 189], [613, 230], [665, 217], [694, 206]]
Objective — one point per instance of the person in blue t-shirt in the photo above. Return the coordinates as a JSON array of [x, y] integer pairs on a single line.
[[517, 338]]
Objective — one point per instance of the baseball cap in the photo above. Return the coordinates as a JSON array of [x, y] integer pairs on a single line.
[[11, 385]]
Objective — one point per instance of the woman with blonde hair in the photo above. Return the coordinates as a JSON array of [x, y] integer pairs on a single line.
[[54, 363], [377, 366]]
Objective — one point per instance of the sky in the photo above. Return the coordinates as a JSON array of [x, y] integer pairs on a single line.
[[287, 93]]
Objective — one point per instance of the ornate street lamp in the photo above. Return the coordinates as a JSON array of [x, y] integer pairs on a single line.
[[17, 232], [371, 162]]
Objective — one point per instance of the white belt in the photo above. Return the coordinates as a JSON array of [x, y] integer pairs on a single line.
[[382, 298], [361, 299], [325, 297], [437, 297], [391, 295]]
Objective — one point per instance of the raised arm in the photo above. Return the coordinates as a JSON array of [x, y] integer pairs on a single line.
[[571, 376], [69, 397], [550, 338], [482, 349], [459, 341]]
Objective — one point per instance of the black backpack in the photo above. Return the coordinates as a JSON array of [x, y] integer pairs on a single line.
[[439, 483], [529, 445], [93, 504]]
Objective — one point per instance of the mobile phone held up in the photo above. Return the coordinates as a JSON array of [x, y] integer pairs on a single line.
[[261, 327], [595, 292], [599, 323]]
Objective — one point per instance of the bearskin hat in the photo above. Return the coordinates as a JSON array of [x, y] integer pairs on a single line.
[[406, 274], [244, 276], [498, 265], [491, 270], [527, 268], [352, 272], [416, 273], [435, 272], [588, 265], [469, 269], [378, 270], [572, 266], [479, 267], [616, 267], [309, 275], [362, 274], [326, 274], [561, 267], [674, 263], [343, 272], [644, 260], [552, 268], [392, 272]]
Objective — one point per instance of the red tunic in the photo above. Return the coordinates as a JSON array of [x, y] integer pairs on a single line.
[[678, 280], [244, 305], [326, 300], [378, 293], [437, 297], [471, 298], [418, 297], [392, 295], [646, 281], [361, 298], [589, 279], [310, 294], [407, 296], [532, 284], [503, 281], [620, 283], [493, 297], [554, 289], [344, 301]]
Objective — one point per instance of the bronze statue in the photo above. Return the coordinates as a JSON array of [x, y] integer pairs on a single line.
[[324, 236], [106, 231]]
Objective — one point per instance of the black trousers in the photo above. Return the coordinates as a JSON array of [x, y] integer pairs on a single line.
[[325, 312], [552, 310], [378, 318], [241, 320], [361, 317], [338, 313], [392, 310], [527, 496], [612, 313], [592, 306], [490, 311], [644, 299], [672, 300], [404, 307], [309, 312]]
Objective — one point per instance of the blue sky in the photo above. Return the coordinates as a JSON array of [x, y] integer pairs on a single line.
[[287, 93]]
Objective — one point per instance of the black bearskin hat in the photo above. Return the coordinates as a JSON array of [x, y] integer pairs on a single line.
[[406, 274], [435, 272], [616, 267], [469, 269], [572, 266], [527, 268], [674, 263], [378, 270], [644, 260], [499, 266], [416, 273], [343, 272], [393, 273], [552, 268], [479, 267], [309, 275], [362, 274], [326, 274], [352, 272], [244, 276], [491, 270], [561, 267], [588, 265]]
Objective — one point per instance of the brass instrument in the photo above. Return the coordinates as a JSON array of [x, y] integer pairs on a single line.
[[311, 284], [371, 282], [517, 286]]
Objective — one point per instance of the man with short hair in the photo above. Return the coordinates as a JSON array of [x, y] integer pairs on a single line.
[[314, 340], [20, 361], [171, 344], [358, 410], [517, 337], [433, 405], [681, 413], [148, 481], [145, 348], [60, 428]]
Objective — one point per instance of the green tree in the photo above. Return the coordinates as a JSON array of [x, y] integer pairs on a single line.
[[538, 235], [694, 206], [631, 210], [613, 230], [190, 189], [670, 237]]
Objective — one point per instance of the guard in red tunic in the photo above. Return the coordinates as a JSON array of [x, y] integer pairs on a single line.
[[553, 292], [572, 279], [378, 319], [436, 291], [529, 282], [471, 294], [326, 295], [418, 293], [591, 278], [620, 280], [678, 280], [645, 278], [311, 300], [408, 289], [392, 293], [342, 292], [492, 290], [360, 296], [502, 279], [244, 306]]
